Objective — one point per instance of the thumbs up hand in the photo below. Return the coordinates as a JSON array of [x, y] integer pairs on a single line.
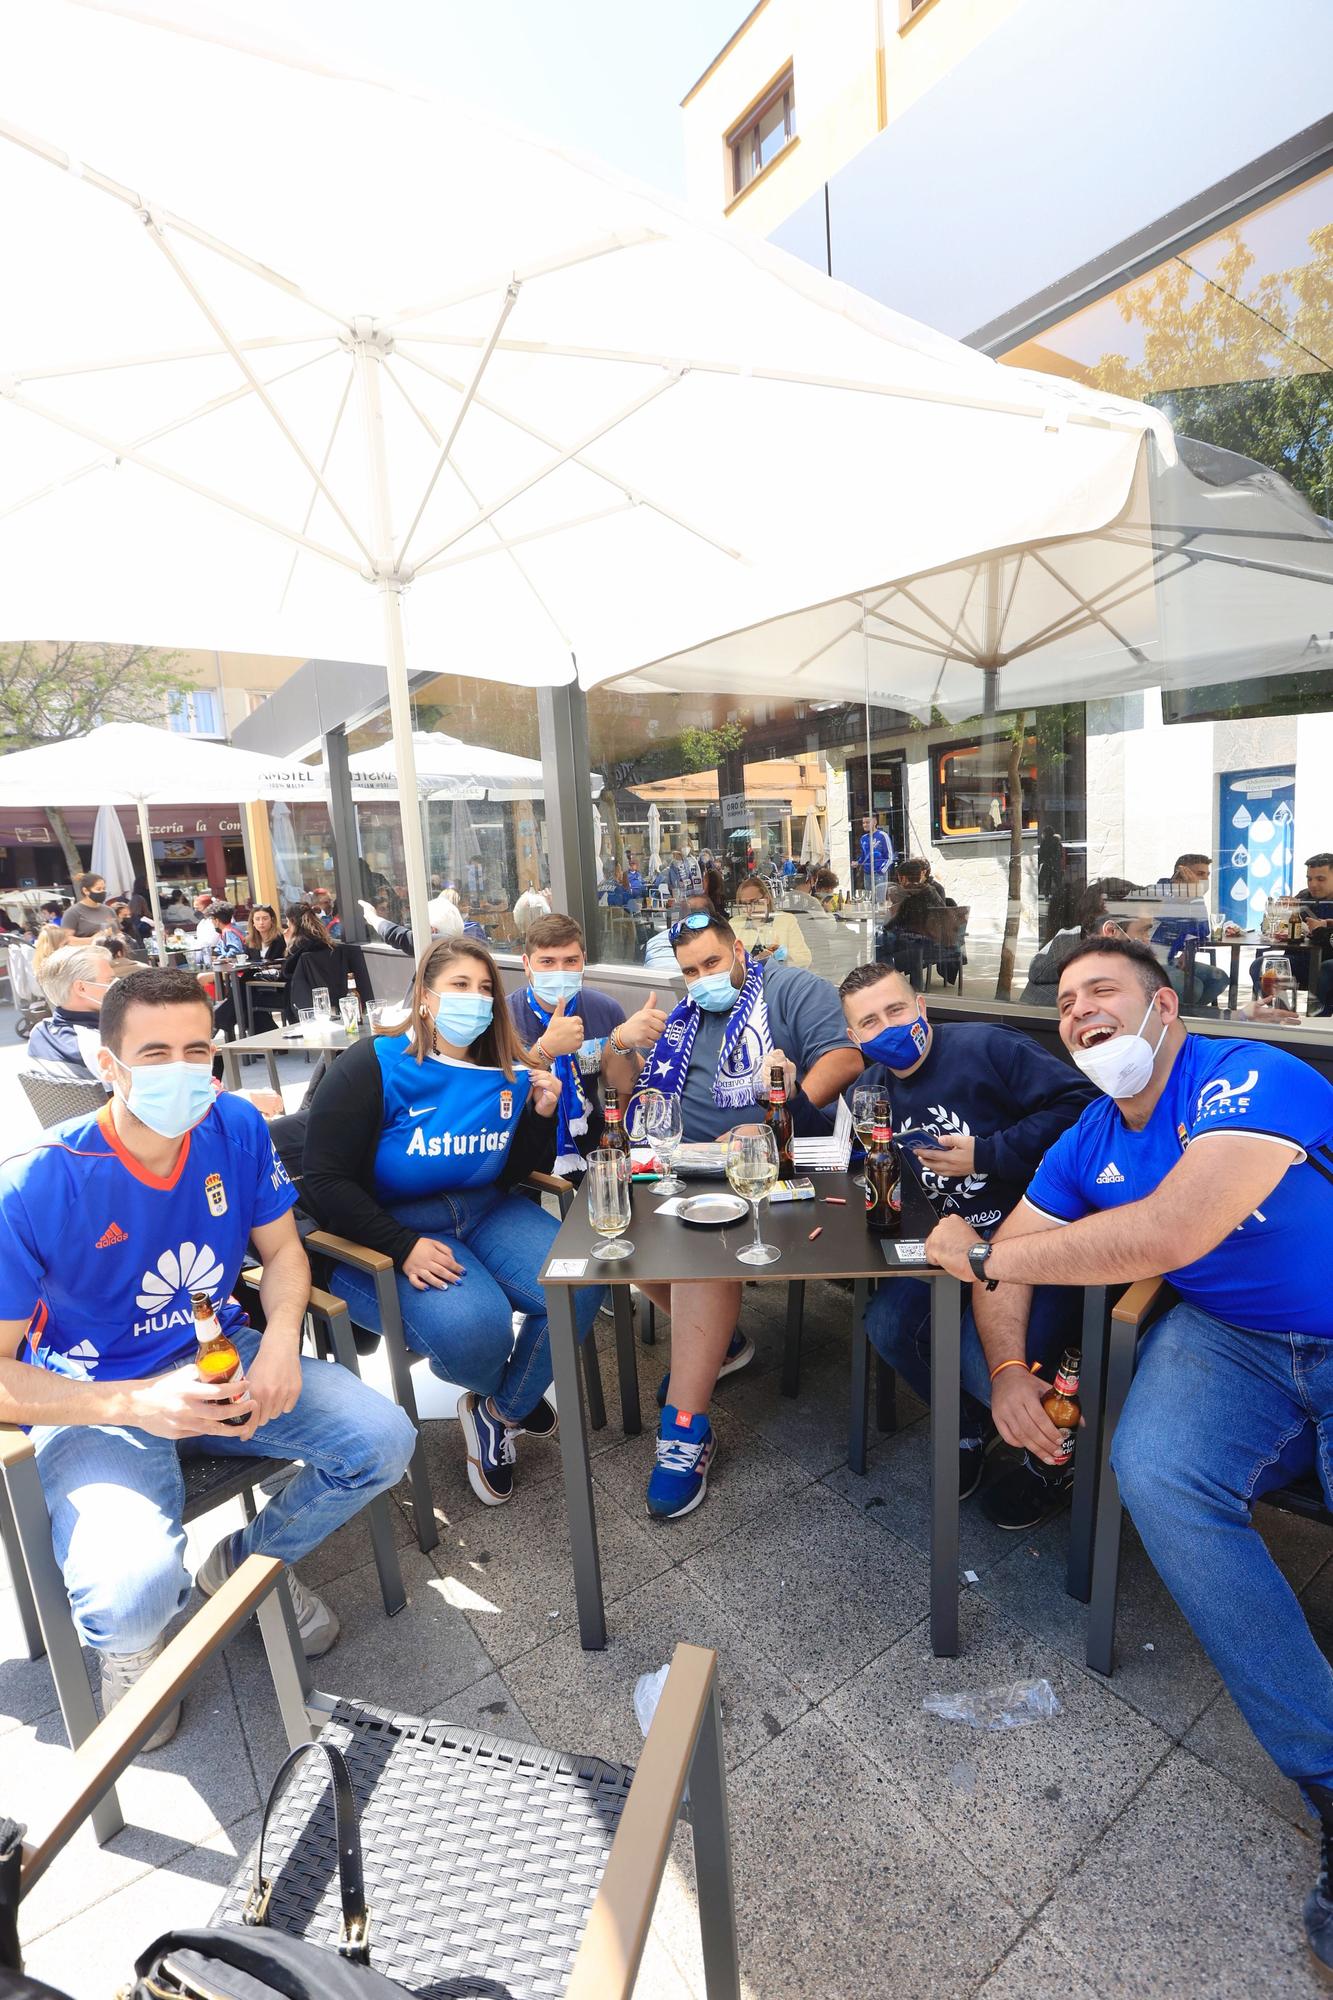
[[563, 1033], [644, 1029]]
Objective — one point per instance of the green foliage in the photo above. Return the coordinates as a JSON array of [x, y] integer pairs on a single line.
[[51, 692], [704, 749]]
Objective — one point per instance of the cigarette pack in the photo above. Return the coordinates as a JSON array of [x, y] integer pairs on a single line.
[[801, 1190]]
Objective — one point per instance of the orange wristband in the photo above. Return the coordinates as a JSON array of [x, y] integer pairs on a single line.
[[1006, 1364]]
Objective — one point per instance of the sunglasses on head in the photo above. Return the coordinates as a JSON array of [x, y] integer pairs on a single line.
[[698, 922]]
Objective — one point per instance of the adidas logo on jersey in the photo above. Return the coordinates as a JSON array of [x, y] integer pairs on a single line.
[[1109, 1175], [112, 1234]]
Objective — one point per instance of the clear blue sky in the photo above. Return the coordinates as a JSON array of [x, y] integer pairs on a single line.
[[606, 76]]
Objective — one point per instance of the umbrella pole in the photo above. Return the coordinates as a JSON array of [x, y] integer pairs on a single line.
[[150, 877], [369, 356]]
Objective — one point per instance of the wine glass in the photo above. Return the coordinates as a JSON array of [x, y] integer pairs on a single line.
[[752, 1168], [863, 1124], [608, 1201], [665, 1127]]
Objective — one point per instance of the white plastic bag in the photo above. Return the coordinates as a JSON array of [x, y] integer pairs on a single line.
[[1011, 1707], [647, 1694]]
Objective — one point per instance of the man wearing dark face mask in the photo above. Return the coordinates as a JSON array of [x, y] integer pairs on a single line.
[[1210, 1162], [989, 1102]]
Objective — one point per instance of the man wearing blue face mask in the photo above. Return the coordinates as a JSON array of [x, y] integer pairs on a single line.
[[107, 1228], [581, 1034], [989, 1102]]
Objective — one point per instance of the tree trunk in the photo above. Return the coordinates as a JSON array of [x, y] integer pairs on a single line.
[[67, 847], [1014, 791], [611, 816]]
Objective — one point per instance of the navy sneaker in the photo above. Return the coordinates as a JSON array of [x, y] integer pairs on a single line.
[[1319, 1902], [1026, 1495], [685, 1448], [541, 1422], [739, 1355], [490, 1451]]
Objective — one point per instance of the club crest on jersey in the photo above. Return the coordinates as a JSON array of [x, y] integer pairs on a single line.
[[506, 1103], [215, 1195]]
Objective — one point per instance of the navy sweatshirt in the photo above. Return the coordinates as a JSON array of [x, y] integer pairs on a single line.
[[999, 1086]]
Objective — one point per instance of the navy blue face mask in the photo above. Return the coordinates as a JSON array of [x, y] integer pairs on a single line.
[[899, 1047]]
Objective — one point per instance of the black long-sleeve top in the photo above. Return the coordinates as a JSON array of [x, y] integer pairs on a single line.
[[343, 1128]]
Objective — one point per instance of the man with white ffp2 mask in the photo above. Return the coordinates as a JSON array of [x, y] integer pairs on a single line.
[[1208, 1161]]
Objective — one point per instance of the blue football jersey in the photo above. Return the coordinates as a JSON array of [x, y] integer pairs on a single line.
[[447, 1124]]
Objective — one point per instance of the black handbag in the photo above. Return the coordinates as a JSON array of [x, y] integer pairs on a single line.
[[256, 1963]]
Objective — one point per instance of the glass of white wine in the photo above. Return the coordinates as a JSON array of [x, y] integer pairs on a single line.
[[608, 1202], [665, 1131], [752, 1168]]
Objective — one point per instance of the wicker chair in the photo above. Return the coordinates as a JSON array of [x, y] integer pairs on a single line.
[[54, 1099]]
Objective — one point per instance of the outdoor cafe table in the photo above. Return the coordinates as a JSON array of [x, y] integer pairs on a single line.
[[330, 1037], [1250, 941], [665, 1250]]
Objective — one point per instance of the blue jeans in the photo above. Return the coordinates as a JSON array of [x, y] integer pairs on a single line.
[[467, 1330], [898, 1322], [1218, 1415], [115, 1497]]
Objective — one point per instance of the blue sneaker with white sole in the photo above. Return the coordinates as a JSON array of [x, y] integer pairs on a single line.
[[490, 1451], [685, 1448], [739, 1354]]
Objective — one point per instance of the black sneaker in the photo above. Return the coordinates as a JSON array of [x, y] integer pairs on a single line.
[[490, 1451], [1023, 1497], [739, 1354], [1319, 1902], [541, 1422], [971, 1465]]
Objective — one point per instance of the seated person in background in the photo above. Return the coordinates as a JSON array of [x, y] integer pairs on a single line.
[[1316, 906], [217, 934], [89, 914], [826, 890], [106, 1209], [556, 1015], [659, 954], [683, 873], [75, 980], [176, 907], [327, 912], [1210, 1162], [263, 938], [1184, 896], [132, 930], [737, 1019], [765, 932], [304, 931], [414, 1144], [997, 1102], [446, 921], [530, 905]]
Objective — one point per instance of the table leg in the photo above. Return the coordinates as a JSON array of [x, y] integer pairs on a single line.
[[945, 1385], [1122, 1349], [274, 1081], [576, 1467], [860, 1412], [791, 1348], [1233, 984], [626, 1362], [1092, 1388], [231, 1070]]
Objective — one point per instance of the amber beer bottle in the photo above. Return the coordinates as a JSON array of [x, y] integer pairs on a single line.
[[779, 1119], [615, 1138], [1061, 1405], [884, 1193], [217, 1358]]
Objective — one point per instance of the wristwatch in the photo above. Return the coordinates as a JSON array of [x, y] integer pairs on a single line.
[[977, 1257]]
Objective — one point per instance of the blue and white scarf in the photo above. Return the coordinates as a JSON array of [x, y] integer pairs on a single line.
[[571, 1118], [740, 1065]]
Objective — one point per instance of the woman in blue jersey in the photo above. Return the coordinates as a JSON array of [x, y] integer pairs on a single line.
[[416, 1139]]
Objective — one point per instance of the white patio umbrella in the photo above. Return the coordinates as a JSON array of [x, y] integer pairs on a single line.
[[111, 854], [654, 838], [813, 850], [286, 860], [129, 764], [370, 346]]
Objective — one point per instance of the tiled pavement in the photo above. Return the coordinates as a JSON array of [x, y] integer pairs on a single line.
[[1138, 1844]]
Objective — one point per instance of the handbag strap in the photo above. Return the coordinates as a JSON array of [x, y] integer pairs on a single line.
[[354, 1936]]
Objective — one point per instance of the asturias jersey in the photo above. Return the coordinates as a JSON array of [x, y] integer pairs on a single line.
[[1259, 1275], [108, 1254], [447, 1124]]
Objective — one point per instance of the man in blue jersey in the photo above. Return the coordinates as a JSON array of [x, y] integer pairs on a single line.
[[1210, 1162], [108, 1225], [974, 1106]]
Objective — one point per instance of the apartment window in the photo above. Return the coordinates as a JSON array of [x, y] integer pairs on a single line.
[[971, 788], [768, 126], [906, 9], [198, 713]]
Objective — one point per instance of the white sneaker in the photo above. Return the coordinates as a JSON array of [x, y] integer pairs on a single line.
[[120, 1671], [316, 1621]]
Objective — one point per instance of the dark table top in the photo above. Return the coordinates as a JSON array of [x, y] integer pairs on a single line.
[[666, 1249]]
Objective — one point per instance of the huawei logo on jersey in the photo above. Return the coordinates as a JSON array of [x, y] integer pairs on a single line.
[[112, 1234], [192, 1268]]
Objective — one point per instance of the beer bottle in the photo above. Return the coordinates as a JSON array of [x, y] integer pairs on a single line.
[[884, 1194], [1061, 1405], [217, 1358], [615, 1138], [779, 1119]]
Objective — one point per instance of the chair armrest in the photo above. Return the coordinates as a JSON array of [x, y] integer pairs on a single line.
[[622, 1910], [15, 1446], [102, 1757], [325, 1302], [1137, 1301], [551, 1183], [355, 1254]]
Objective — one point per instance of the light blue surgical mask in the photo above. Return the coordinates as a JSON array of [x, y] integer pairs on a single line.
[[461, 1017], [714, 992], [169, 1098], [550, 988]]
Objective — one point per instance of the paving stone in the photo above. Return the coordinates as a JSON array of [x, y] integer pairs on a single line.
[[585, 1701], [894, 1492], [820, 1590], [1195, 1890], [27, 1691], [510, 1570], [92, 1954], [1025, 1803], [746, 1480], [842, 1889], [1034, 1970], [1223, 1738]]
